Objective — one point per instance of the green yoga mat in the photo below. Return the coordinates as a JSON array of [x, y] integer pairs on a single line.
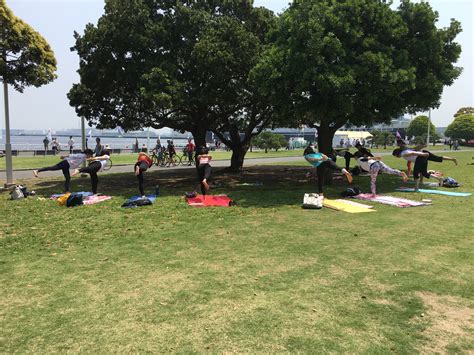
[[436, 192]]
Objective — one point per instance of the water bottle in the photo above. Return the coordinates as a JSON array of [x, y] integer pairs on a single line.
[[157, 190]]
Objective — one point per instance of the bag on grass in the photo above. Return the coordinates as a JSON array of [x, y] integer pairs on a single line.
[[62, 200], [74, 200], [450, 182], [144, 201], [17, 193], [312, 201], [190, 194], [350, 192]]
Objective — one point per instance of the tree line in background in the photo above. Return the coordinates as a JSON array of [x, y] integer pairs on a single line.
[[229, 67]]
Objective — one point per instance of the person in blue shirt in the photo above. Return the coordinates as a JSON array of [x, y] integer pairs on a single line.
[[322, 162]]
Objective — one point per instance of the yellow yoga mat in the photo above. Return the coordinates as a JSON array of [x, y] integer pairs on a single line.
[[345, 207]]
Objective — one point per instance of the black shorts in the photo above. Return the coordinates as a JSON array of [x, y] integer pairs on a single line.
[[142, 165], [432, 157]]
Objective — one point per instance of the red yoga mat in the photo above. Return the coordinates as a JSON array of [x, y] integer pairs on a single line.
[[217, 200]]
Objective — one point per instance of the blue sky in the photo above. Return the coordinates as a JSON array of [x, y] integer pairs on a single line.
[[48, 107]]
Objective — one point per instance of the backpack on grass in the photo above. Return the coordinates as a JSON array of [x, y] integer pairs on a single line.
[[450, 182], [350, 192]]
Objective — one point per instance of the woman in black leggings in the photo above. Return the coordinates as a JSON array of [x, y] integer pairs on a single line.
[[204, 169], [71, 161], [97, 164], [322, 162]]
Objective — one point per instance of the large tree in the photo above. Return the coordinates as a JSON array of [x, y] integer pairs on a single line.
[[461, 128], [358, 62], [180, 64], [26, 59]]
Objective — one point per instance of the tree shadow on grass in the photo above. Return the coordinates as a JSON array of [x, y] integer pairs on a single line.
[[256, 187]]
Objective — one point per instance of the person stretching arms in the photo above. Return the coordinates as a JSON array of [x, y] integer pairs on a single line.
[[204, 169], [322, 162], [143, 163], [71, 161], [96, 164], [374, 165]]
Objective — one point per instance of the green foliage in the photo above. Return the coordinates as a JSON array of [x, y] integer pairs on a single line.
[[465, 111], [419, 128], [26, 59], [383, 138], [268, 140], [461, 128], [178, 64], [357, 61]]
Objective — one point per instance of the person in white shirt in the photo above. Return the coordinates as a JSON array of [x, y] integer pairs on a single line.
[[70, 143], [96, 165], [72, 161], [420, 169], [374, 165]]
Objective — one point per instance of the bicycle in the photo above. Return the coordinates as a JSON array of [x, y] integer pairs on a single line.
[[184, 159], [108, 166]]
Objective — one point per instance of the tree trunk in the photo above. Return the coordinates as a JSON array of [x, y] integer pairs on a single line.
[[238, 156], [325, 138]]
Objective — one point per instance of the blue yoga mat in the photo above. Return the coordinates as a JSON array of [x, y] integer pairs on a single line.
[[436, 192], [152, 198], [83, 193]]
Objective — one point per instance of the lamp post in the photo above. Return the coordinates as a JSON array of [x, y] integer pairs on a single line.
[[429, 124], [8, 146]]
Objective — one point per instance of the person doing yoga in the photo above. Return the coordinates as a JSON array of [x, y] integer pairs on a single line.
[[204, 169], [322, 162], [347, 155], [97, 164], [374, 165], [144, 162], [71, 161], [420, 159]]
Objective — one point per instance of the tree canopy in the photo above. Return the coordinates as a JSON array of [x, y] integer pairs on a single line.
[[359, 61], [26, 59], [179, 64], [418, 127], [464, 111], [268, 140], [461, 128]]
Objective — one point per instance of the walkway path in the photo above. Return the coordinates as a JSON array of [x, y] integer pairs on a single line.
[[26, 174]]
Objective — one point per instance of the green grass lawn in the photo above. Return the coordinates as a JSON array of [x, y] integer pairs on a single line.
[[262, 276]]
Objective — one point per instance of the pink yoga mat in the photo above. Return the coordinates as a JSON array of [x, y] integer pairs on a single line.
[[210, 200], [90, 200], [390, 200]]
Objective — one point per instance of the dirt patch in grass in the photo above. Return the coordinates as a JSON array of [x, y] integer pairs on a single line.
[[450, 321]]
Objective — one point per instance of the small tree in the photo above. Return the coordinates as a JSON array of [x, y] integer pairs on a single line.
[[26, 59], [419, 128], [461, 128], [268, 140], [464, 111]]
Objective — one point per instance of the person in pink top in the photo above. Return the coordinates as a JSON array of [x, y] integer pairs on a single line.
[[204, 169]]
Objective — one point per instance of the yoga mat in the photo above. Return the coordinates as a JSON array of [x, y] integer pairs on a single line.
[[353, 203], [341, 205], [83, 193], [211, 200], [390, 200], [436, 192], [152, 198], [90, 200]]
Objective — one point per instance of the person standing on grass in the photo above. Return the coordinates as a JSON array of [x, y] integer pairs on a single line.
[[70, 143], [374, 165], [420, 159], [190, 147], [322, 162], [204, 169], [71, 161], [98, 147], [46, 143], [97, 164], [144, 162]]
